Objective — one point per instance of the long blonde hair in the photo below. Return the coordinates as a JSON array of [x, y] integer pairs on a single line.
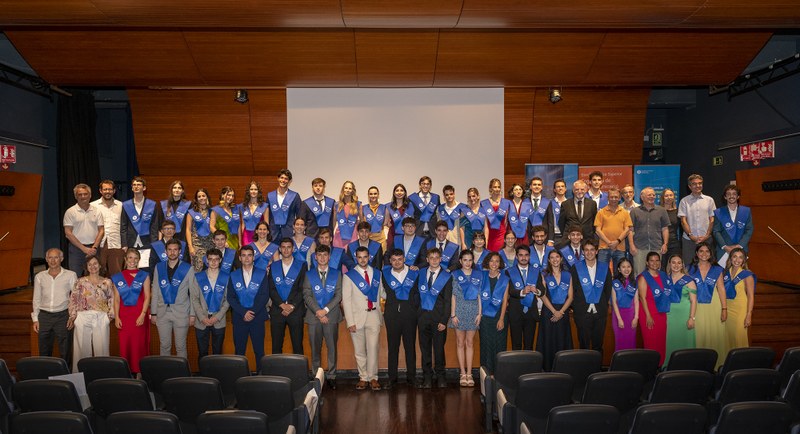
[[354, 203]]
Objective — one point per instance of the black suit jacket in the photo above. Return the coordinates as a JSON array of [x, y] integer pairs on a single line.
[[579, 304], [569, 217], [128, 233], [295, 294], [515, 309]]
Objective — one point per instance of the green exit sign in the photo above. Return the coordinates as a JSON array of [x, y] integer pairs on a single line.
[[717, 161]]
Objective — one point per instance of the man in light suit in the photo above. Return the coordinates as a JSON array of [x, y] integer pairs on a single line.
[[360, 288], [170, 305], [210, 304], [322, 292], [578, 211]]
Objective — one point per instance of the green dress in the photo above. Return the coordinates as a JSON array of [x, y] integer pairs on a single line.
[[678, 335]]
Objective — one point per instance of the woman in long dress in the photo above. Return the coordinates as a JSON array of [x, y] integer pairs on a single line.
[[254, 210], [473, 219], [681, 316], [348, 214], [374, 213], [712, 309], [625, 306], [396, 211], [555, 332], [91, 308], [198, 229], [654, 300], [496, 209], [465, 314], [131, 306], [226, 216], [494, 301], [519, 213], [740, 288]]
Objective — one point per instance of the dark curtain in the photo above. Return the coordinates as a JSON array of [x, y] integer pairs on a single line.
[[78, 161]]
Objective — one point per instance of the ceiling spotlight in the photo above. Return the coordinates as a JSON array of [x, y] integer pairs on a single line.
[[241, 96], [555, 95]]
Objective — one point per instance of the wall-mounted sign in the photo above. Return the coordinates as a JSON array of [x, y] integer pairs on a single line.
[[757, 151]]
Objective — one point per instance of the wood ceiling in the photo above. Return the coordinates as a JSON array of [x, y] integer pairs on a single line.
[[372, 43]]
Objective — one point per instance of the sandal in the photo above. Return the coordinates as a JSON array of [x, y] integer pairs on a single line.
[[470, 381], [463, 381]]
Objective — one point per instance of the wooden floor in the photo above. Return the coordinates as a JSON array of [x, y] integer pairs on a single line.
[[403, 410]]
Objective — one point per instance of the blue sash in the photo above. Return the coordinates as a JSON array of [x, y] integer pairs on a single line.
[[535, 257], [129, 294], [505, 259], [492, 299], [347, 224], [496, 217], [519, 221], [516, 281], [705, 287], [625, 293], [677, 288], [450, 250], [558, 292], [284, 283], [321, 214], [323, 293], [730, 284], [661, 294], [370, 291], [451, 218], [201, 225], [470, 285], [231, 219], [213, 296], [169, 288], [178, 215], [280, 214], [161, 250], [401, 290], [335, 260], [372, 247], [476, 219], [734, 229], [478, 264], [603, 199], [263, 259], [397, 217], [426, 212], [300, 252], [592, 290], [569, 255], [537, 218], [376, 219], [140, 222], [556, 211], [251, 219], [228, 256], [247, 295], [413, 251], [428, 294]]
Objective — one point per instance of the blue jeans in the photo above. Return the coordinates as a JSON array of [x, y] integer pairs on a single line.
[[607, 255]]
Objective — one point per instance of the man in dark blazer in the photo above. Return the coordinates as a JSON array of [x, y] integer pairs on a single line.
[[285, 206], [140, 220], [286, 292], [523, 301], [578, 211], [247, 296], [592, 289]]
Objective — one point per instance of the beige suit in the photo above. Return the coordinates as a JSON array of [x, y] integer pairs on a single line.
[[368, 325]]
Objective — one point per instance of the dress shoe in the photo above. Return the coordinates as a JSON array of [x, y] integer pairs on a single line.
[[426, 383], [441, 382], [390, 384], [361, 385], [331, 383], [374, 385]]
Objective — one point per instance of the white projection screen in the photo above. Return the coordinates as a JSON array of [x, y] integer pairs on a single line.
[[383, 137]]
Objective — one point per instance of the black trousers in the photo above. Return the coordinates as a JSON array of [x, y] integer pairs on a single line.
[[431, 340], [522, 327], [53, 329], [277, 328], [215, 335], [401, 325], [591, 330]]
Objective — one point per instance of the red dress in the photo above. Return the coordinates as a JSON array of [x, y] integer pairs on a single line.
[[655, 338], [134, 341], [497, 237]]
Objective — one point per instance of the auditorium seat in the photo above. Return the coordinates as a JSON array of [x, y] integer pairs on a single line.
[[537, 394], [693, 359], [295, 367], [113, 395], [143, 422], [232, 422], [281, 409], [754, 418], [46, 395], [639, 360], [790, 362], [745, 358], [688, 387], [745, 385], [94, 368], [669, 419], [50, 422], [582, 418], [6, 379], [189, 397], [791, 395], [509, 365], [156, 369], [41, 367], [226, 368], [621, 390], [579, 364]]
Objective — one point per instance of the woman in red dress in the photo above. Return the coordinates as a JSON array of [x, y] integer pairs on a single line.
[[654, 293], [496, 209], [131, 305]]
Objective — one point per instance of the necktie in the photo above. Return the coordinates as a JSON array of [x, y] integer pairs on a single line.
[[577, 254], [441, 246], [322, 275], [369, 302], [580, 209], [321, 206], [425, 199], [524, 275], [535, 204], [430, 280]]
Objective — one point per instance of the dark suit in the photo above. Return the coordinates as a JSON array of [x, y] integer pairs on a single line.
[[349, 257], [591, 326], [430, 338], [296, 209], [253, 328], [318, 331], [569, 217], [550, 223], [400, 317], [521, 324], [128, 233], [294, 320]]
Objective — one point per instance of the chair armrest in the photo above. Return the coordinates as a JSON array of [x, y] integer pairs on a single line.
[[523, 429], [319, 378], [506, 414]]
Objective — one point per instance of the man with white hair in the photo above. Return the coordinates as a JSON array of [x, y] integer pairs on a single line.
[[650, 229], [83, 227], [51, 289], [578, 211]]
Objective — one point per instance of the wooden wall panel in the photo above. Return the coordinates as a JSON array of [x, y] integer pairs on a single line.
[[518, 131], [386, 58], [401, 13], [745, 13], [18, 220], [750, 180], [268, 132], [66, 12]]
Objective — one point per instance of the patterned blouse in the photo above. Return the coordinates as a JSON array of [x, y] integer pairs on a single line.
[[88, 296]]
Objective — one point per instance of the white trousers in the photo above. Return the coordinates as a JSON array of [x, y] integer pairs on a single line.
[[90, 333], [366, 343]]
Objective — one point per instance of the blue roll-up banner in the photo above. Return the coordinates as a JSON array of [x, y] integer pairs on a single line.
[[550, 173], [658, 177]]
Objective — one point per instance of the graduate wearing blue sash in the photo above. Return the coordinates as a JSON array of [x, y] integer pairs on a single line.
[[201, 224], [336, 259], [252, 214], [450, 217], [322, 293], [602, 198], [286, 293], [158, 249], [210, 306], [230, 260], [625, 302], [435, 292], [413, 246], [681, 315], [400, 315], [141, 218], [129, 294], [539, 250], [347, 216], [494, 301], [733, 223], [448, 249], [592, 291], [712, 304], [373, 247], [375, 219], [523, 305], [740, 288], [424, 204], [322, 208], [555, 332], [496, 209], [302, 248], [170, 302], [227, 216], [473, 220], [655, 289], [285, 206], [570, 257], [264, 257], [175, 210], [247, 294]]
